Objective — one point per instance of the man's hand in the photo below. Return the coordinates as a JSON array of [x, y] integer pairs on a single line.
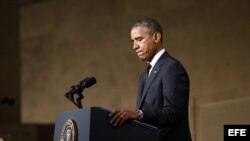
[[118, 117]]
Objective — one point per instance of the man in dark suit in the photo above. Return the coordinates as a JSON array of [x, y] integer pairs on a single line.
[[163, 88]]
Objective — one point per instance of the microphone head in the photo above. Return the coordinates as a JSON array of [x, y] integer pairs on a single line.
[[91, 81], [84, 81], [87, 82]]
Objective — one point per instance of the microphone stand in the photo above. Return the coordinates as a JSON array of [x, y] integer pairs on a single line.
[[77, 100], [78, 89]]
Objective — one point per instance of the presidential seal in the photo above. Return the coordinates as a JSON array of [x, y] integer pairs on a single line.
[[69, 131]]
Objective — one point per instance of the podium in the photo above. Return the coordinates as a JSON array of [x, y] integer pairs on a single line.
[[92, 124]]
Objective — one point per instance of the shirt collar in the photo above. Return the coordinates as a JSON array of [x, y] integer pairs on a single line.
[[156, 58]]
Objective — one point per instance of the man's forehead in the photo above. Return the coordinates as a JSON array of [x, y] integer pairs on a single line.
[[140, 27], [139, 30]]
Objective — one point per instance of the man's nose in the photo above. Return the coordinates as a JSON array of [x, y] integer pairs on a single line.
[[135, 46]]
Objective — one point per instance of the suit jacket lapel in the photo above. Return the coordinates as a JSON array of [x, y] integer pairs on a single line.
[[140, 90], [152, 75]]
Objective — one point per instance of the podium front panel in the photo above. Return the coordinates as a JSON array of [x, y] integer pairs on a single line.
[[93, 125], [82, 119]]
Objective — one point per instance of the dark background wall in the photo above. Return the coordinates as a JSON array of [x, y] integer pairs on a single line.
[[10, 59], [10, 115], [56, 43]]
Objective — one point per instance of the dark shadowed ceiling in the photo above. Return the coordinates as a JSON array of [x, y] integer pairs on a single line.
[[27, 2]]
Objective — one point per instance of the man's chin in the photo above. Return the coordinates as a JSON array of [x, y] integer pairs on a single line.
[[142, 58]]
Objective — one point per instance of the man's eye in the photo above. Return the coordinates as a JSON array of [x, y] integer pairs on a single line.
[[139, 38]]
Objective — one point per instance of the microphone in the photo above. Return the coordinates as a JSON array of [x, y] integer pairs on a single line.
[[8, 101], [85, 83]]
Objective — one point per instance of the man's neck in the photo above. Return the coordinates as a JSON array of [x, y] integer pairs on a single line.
[[156, 57]]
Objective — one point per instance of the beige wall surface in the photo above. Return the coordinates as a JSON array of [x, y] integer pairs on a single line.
[[215, 115], [63, 41]]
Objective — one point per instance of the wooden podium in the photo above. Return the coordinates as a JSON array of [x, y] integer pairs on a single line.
[[92, 124]]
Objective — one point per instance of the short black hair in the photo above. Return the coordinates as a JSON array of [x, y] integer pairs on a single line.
[[151, 24]]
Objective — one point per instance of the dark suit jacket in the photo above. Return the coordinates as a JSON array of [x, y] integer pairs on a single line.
[[164, 99]]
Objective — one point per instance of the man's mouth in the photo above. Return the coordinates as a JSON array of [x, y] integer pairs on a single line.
[[139, 53]]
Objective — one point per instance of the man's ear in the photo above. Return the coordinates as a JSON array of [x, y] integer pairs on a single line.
[[157, 37]]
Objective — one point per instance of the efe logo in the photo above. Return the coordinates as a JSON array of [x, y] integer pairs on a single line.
[[236, 132]]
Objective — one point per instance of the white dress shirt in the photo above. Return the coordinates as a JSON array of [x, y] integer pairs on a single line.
[[155, 59]]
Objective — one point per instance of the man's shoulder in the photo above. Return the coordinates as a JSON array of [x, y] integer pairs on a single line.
[[169, 61]]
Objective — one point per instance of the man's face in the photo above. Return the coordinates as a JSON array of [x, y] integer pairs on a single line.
[[144, 42]]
